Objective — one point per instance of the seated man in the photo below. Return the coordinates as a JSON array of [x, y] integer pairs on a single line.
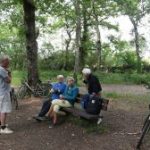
[[93, 86], [65, 100], [57, 89]]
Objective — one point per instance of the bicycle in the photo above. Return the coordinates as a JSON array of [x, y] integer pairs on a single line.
[[147, 85], [14, 99], [40, 90], [145, 130]]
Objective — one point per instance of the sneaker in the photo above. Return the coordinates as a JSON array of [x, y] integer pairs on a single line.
[[38, 118], [6, 131], [51, 125]]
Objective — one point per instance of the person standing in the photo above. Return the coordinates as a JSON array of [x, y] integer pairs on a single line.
[[93, 87], [92, 82], [5, 101]]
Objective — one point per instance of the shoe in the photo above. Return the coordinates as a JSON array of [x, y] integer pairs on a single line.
[[51, 125], [38, 118], [6, 131]]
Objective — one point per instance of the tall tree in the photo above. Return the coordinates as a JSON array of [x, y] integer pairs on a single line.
[[135, 10], [31, 44], [98, 42], [78, 36]]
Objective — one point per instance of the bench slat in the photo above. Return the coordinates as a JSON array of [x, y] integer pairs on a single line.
[[80, 113]]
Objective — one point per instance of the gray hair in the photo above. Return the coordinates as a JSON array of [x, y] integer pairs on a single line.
[[86, 71], [4, 57], [70, 78], [60, 76]]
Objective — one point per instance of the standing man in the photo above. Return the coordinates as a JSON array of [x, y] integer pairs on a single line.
[[92, 82], [93, 86], [5, 101]]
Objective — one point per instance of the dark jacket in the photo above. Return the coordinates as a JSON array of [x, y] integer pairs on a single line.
[[93, 84]]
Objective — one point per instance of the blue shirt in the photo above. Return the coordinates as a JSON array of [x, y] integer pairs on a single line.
[[4, 86], [60, 86], [71, 93]]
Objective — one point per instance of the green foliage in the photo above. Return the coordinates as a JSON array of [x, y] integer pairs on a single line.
[[55, 63], [106, 78], [54, 15], [122, 78]]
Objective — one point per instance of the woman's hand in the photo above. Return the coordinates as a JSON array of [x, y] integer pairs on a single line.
[[52, 90]]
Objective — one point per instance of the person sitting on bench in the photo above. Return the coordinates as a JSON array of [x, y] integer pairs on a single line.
[[57, 89], [93, 86], [65, 100]]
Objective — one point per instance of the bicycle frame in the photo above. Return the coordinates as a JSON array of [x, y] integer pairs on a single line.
[[39, 90], [145, 129]]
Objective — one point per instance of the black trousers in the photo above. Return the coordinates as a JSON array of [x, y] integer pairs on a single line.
[[45, 108]]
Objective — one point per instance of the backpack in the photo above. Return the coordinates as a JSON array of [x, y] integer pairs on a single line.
[[94, 105]]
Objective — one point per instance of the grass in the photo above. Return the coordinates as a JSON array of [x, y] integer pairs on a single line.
[[107, 78], [129, 97], [88, 125]]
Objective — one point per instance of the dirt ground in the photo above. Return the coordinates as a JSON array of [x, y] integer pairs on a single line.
[[123, 119]]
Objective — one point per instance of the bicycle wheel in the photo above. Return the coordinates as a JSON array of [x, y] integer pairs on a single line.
[[145, 121], [146, 128], [41, 90], [22, 92]]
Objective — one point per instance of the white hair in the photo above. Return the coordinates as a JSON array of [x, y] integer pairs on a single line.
[[86, 71], [60, 76], [4, 57]]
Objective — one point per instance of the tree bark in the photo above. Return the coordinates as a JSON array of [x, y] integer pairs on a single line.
[[68, 41], [31, 44], [98, 42], [84, 39], [78, 38], [137, 46]]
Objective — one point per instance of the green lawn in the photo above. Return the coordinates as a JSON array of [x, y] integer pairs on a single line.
[[107, 78]]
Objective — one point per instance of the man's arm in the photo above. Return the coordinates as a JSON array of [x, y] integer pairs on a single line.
[[8, 79], [6, 75], [96, 86]]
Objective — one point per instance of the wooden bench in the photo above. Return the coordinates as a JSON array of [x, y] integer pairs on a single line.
[[83, 114]]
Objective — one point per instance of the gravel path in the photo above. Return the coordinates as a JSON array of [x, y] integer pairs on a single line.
[[122, 119]]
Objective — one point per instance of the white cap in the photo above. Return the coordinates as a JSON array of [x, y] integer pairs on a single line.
[[86, 71], [60, 76]]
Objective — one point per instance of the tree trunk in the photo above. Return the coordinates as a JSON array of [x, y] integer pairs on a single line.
[[78, 38], [98, 42], [137, 47], [31, 44], [84, 39], [67, 46]]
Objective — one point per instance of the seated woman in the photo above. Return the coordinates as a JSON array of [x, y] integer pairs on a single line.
[[65, 100]]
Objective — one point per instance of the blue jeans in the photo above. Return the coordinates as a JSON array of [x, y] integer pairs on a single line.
[[85, 100]]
